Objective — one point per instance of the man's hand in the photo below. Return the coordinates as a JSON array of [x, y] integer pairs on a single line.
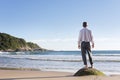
[[78, 46], [92, 45]]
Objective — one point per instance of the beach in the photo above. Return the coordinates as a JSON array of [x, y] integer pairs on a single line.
[[48, 75], [61, 61], [56, 65]]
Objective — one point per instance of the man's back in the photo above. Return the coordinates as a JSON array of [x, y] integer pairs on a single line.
[[85, 35]]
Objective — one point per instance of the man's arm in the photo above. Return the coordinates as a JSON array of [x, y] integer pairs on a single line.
[[92, 40], [79, 40], [92, 45], [78, 46]]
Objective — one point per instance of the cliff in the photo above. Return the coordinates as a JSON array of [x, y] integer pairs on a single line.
[[11, 43]]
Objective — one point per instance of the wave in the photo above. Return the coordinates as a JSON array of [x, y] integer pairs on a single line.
[[106, 54], [74, 60], [76, 53], [64, 58]]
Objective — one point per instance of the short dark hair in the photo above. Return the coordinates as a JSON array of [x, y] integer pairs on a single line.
[[84, 24]]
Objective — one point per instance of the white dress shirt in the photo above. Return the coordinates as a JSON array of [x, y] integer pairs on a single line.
[[85, 35]]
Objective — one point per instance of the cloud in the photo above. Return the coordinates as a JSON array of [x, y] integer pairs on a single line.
[[57, 44], [101, 39], [108, 43], [54, 40], [101, 43], [107, 39]]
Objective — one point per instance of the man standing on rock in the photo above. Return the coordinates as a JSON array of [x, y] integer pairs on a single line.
[[85, 37]]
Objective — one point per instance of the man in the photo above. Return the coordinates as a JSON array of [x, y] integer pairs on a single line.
[[85, 37]]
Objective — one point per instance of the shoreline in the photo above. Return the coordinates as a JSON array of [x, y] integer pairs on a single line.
[[48, 75], [61, 71], [22, 69]]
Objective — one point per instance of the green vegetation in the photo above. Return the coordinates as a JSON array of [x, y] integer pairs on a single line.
[[11, 43], [89, 71]]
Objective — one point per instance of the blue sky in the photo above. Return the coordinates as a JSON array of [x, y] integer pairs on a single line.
[[55, 24]]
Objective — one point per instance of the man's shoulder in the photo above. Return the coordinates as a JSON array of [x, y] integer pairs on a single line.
[[88, 29], [82, 30], [85, 29]]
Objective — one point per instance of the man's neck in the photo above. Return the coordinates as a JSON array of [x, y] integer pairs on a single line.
[[85, 27]]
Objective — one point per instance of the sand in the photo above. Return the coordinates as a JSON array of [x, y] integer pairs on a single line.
[[48, 75]]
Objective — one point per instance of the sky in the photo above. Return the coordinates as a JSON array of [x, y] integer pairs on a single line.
[[55, 24]]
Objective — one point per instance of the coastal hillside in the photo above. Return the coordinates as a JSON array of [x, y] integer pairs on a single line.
[[11, 43]]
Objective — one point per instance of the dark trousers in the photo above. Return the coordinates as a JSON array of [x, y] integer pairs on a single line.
[[85, 48]]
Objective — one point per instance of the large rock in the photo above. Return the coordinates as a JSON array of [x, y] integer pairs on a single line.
[[89, 71]]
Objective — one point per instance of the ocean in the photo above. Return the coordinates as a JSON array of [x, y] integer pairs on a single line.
[[63, 61]]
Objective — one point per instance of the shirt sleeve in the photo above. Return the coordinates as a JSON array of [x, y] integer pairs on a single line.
[[79, 38], [92, 41]]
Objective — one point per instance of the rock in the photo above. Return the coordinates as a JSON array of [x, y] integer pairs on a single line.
[[89, 71]]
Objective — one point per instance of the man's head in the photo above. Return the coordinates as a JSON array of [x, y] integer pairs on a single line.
[[84, 24]]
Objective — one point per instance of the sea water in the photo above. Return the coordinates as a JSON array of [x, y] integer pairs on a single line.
[[64, 61]]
